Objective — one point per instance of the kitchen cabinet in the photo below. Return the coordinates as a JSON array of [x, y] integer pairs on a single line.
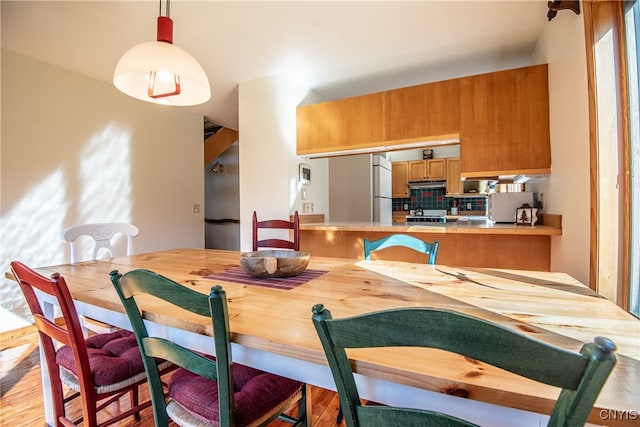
[[417, 170], [423, 110], [399, 179], [502, 119], [350, 123], [454, 183], [420, 170], [504, 123], [436, 169], [399, 217]]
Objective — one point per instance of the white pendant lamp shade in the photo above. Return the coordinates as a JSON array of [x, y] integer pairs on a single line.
[[162, 73]]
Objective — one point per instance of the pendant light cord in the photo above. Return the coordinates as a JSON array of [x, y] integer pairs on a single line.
[[160, 8]]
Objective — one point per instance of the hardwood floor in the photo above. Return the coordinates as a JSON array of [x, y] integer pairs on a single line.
[[21, 388]]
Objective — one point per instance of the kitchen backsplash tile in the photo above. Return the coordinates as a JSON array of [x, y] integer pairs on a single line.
[[434, 199]]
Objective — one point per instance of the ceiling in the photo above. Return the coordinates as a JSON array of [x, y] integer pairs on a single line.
[[339, 48]]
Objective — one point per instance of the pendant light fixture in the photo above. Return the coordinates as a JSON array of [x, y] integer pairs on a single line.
[[160, 72]]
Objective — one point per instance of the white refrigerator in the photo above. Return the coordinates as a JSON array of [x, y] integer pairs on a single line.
[[360, 189]]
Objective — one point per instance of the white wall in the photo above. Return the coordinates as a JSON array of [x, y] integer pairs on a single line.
[[75, 150], [416, 154], [566, 191], [268, 162]]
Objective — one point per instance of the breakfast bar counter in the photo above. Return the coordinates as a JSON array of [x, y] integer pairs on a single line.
[[464, 227], [474, 243]]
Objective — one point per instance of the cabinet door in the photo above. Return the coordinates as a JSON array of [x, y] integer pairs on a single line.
[[436, 169], [340, 125], [399, 186], [454, 183], [422, 111], [399, 217], [417, 170], [443, 111], [404, 111], [504, 122]]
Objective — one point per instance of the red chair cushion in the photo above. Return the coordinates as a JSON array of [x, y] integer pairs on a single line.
[[113, 357], [256, 392]]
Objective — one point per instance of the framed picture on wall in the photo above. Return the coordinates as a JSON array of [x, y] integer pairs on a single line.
[[304, 173]]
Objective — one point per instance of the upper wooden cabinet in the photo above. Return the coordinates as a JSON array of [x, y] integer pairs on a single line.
[[436, 169], [504, 123], [399, 179], [417, 170], [420, 170], [344, 124], [425, 110], [454, 183], [502, 119]]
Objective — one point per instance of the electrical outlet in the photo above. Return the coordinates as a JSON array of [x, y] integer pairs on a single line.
[[468, 206], [196, 208]]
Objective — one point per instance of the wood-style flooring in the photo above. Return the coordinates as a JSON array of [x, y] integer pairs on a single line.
[[21, 388]]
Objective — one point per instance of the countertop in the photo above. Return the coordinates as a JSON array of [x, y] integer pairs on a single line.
[[474, 226]]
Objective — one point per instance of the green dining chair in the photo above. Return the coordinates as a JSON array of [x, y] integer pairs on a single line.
[[204, 388], [581, 376], [405, 240]]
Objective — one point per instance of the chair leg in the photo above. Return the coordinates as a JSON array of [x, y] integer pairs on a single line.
[[340, 415], [133, 398], [304, 407]]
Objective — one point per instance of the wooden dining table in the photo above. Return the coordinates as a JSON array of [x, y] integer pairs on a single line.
[[271, 327]]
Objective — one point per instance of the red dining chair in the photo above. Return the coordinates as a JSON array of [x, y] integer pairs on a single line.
[[276, 224], [98, 370]]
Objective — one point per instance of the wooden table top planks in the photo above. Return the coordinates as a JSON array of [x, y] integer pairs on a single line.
[[552, 307]]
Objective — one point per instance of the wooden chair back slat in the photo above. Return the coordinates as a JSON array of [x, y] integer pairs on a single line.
[[276, 224], [53, 336], [581, 375], [404, 240], [133, 287]]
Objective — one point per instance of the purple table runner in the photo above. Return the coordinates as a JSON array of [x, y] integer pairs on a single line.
[[238, 275]]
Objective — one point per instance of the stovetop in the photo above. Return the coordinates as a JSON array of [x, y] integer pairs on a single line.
[[429, 215]]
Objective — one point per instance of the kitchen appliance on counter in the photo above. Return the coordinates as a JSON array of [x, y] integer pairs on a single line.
[[501, 207], [427, 215]]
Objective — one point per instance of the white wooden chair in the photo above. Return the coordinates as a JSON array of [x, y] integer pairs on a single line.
[[103, 236]]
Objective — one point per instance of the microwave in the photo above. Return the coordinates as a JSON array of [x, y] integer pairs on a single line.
[[501, 207]]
